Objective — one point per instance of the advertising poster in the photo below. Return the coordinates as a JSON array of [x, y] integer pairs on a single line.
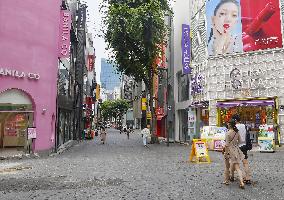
[[224, 27], [242, 26], [31, 133], [266, 144], [219, 144], [200, 148], [261, 24]]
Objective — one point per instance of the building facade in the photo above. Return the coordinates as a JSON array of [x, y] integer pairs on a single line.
[[109, 76], [247, 81], [28, 72], [181, 80]]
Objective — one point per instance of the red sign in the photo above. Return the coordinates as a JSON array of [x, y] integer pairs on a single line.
[[91, 62], [160, 113], [64, 34], [261, 24]]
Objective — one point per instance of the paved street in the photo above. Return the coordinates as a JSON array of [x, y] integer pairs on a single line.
[[124, 169]]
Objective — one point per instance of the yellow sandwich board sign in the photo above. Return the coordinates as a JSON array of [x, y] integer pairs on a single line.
[[199, 152]]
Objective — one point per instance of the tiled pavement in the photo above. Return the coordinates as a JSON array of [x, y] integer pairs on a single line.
[[124, 169]]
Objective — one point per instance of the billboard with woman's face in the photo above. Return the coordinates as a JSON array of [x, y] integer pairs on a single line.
[[242, 25], [224, 28]]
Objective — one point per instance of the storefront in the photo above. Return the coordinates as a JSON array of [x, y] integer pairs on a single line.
[[258, 114], [16, 115], [28, 74]]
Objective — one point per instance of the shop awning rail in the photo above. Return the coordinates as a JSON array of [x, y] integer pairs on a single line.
[[224, 104]]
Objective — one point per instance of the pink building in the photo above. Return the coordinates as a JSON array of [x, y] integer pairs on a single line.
[[29, 32]]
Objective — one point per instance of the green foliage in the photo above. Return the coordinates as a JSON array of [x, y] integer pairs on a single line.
[[114, 108], [134, 30]]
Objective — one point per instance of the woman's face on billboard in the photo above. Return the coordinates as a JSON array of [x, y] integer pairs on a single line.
[[226, 18]]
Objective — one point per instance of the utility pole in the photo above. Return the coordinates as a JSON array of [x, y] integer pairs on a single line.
[[166, 103]]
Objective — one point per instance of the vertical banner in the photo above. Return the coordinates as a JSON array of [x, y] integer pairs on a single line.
[[90, 63], [185, 45], [144, 104], [64, 34], [81, 21]]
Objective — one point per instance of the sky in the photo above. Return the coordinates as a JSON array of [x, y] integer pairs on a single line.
[[94, 26]]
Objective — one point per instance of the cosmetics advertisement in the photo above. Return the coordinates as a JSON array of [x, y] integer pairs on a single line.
[[242, 26], [224, 27]]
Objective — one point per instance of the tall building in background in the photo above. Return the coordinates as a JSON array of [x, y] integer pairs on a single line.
[[109, 77]]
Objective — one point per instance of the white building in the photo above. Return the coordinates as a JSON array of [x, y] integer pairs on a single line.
[[248, 82]]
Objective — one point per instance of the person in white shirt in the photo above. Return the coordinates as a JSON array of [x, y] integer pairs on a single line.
[[243, 146], [145, 133]]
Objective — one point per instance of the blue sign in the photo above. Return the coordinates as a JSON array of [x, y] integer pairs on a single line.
[[185, 45]]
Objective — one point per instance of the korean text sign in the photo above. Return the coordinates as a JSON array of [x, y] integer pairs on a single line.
[[185, 43]]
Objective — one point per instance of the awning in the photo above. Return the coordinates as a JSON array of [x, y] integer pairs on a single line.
[[225, 104]]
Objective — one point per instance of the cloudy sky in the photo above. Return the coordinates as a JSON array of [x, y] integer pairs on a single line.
[[94, 25]]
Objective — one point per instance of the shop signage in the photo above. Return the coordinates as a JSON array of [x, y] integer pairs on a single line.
[[197, 84], [252, 79], [144, 104], [31, 133], [64, 37], [90, 62], [199, 152], [18, 74], [185, 45]]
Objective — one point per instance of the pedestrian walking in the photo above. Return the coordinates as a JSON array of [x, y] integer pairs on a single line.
[[103, 135], [232, 153], [128, 133], [245, 145], [145, 133]]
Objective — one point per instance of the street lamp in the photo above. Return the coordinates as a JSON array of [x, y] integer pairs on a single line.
[[166, 103]]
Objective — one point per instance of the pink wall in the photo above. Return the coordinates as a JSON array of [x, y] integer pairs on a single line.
[[28, 42]]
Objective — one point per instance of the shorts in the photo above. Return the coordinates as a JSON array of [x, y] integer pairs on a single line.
[[244, 150]]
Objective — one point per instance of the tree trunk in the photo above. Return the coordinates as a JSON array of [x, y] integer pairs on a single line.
[[154, 138]]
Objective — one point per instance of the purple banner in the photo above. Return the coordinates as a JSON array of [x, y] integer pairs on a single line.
[[185, 45]]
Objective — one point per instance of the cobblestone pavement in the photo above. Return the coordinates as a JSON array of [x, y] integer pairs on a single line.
[[124, 169]]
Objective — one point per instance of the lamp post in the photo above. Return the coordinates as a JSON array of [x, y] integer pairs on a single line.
[[166, 103]]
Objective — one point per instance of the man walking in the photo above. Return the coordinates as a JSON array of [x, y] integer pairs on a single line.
[[244, 148], [145, 133]]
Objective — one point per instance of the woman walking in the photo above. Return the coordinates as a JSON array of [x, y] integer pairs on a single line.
[[232, 154], [103, 135]]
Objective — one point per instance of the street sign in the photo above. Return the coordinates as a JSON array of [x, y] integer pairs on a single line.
[[31, 133], [199, 152]]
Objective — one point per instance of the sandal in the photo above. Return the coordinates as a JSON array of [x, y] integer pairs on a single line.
[[226, 182], [242, 186], [247, 182]]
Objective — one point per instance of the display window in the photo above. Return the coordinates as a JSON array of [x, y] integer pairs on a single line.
[[255, 114]]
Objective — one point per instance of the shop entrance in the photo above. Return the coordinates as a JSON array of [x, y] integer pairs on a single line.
[[253, 113], [16, 115]]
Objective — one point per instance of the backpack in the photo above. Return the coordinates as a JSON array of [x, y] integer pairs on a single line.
[[248, 140]]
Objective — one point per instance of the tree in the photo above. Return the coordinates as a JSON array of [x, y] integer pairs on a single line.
[[114, 108], [106, 110], [134, 32]]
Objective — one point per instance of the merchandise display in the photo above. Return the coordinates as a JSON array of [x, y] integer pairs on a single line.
[[266, 137], [259, 116], [215, 137]]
